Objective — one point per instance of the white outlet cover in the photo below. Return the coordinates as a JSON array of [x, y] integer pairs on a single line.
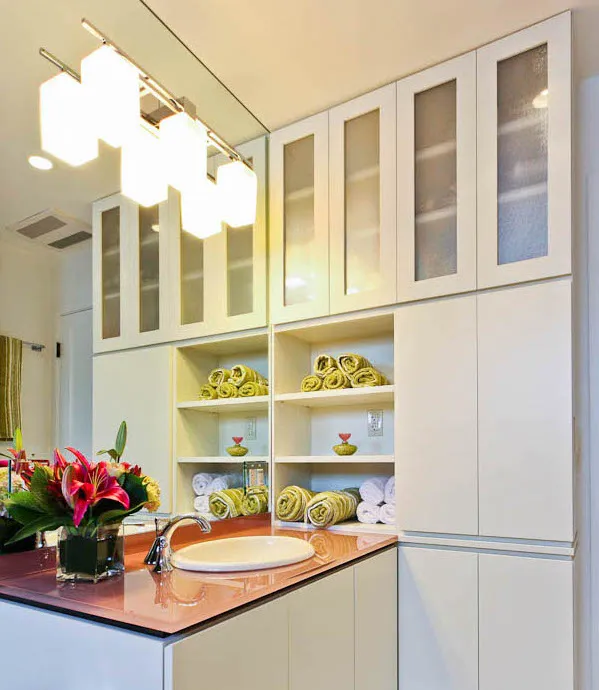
[[375, 422], [250, 429]]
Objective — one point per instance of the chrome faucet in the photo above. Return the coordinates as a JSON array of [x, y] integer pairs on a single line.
[[159, 554]]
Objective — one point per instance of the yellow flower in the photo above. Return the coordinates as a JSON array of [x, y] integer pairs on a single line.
[[153, 490]]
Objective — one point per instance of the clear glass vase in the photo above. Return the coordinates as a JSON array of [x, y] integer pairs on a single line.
[[89, 554]]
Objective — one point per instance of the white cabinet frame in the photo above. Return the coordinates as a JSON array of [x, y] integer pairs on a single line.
[[382, 100], [463, 71], [318, 126], [556, 33]]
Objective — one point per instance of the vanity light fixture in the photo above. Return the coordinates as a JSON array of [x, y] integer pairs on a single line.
[[200, 211], [238, 191], [184, 150], [541, 100], [40, 162], [142, 175]]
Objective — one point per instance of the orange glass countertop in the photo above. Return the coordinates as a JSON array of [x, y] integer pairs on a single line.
[[170, 603]]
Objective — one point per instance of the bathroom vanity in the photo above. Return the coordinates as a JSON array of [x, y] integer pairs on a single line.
[[327, 622]]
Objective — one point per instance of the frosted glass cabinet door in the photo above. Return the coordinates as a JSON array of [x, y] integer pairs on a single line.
[[524, 155], [299, 220], [436, 178], [362, 198], [111, 281], [241, 260]]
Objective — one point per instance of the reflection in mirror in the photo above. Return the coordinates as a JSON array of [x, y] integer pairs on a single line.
[[75, 285]]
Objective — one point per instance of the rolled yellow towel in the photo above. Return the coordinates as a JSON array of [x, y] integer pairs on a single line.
[[331, 507], [208, 392], [292, 502], [226, 503], [311, 383], [227, 390], [255, 501], [324, 364], [218, 376], [251, 389], [335, 380], [350, 363], [368, 376], [241, 374]]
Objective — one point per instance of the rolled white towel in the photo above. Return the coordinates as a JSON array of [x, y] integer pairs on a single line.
[[201, 504], [368, 513], [390, 491], [388, 514], [373, 490], [201, 483], [224, 481]]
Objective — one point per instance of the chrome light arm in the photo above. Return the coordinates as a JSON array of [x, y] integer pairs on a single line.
[[159, 554]]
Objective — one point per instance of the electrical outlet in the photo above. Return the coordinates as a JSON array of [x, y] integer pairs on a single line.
[[375, 422], [250, 429]]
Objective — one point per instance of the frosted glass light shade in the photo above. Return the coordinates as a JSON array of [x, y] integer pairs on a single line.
[[142, 172], [64, 121], [200, 212], [111, 87], [237, 190], [184, 145]]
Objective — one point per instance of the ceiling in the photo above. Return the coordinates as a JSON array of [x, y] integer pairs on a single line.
[[286, 59]]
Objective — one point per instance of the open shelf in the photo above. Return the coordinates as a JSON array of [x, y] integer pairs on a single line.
[[226, 405], [346, 396], [221, 460], [350, 526], [351, 459]]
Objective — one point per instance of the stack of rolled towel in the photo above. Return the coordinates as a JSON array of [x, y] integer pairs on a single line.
[[295, 504], [238, 382], [378, 501], [219, 496], [204, 484], [347, 371]]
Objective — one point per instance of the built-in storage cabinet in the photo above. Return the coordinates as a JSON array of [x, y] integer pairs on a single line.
[[484, 414], [524, 155], [470, 621], [436, 180], [299, 217], [362, 198]]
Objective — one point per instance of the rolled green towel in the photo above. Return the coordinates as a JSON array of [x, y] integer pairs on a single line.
[[311, 383], [331, 507], [241, 374], [208, 392], [324, 364], [218, 376], [350, 364], [255, 501], [292, 503], [226, 503], [227, 390], [335, 380], [251, 389], [368, 376]]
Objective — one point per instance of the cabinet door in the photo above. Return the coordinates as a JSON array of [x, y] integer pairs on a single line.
[[524, 155], [375, 582], [299, 220], [436, 176], [112, 220], [135, 386], [436, 419], [438, 620], [248, 651], [362, 173], [321, 634], [525, 412], [526, 623], [241, 257]]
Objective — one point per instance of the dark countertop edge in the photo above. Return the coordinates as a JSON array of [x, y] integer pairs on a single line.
[[203, 625]]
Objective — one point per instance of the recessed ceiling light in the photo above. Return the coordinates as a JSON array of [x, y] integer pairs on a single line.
[[40, 163]]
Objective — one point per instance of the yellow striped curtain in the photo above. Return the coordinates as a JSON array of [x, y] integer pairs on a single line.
[[11, 361]]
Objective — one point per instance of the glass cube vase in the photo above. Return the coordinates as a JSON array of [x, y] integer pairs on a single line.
[[90, 555]]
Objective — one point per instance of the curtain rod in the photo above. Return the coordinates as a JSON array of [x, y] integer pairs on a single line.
[[36, 347]]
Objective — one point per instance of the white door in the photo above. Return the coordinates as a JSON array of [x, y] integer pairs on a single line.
[[524, 155], [75, 381], [436, 180]]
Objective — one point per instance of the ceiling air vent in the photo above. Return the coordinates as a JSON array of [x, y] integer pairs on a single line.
[[53, 229]]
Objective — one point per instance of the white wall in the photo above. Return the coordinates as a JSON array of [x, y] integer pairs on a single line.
[[75, 279]]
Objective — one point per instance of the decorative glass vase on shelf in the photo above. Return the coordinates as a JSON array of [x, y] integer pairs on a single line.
[[90, 555]]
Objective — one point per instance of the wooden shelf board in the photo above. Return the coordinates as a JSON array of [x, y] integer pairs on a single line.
[[347, 396], [220, 460], [224, 405], [336, 459], [349, 526]]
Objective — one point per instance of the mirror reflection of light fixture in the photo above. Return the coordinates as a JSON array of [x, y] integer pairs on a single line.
[[40, 163], [541, 100], [111, 87], [64, 121], [142, 173], [200, 212], [237, 190], [184, 151]]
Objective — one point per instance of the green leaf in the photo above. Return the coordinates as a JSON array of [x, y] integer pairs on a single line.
[[25, 499], [121, 440], [134, 487], [18, 440], [111, 452], [118, 515], [22, 514], [44, 523]]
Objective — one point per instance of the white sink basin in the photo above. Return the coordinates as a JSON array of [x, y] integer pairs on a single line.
[[242, 553]]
